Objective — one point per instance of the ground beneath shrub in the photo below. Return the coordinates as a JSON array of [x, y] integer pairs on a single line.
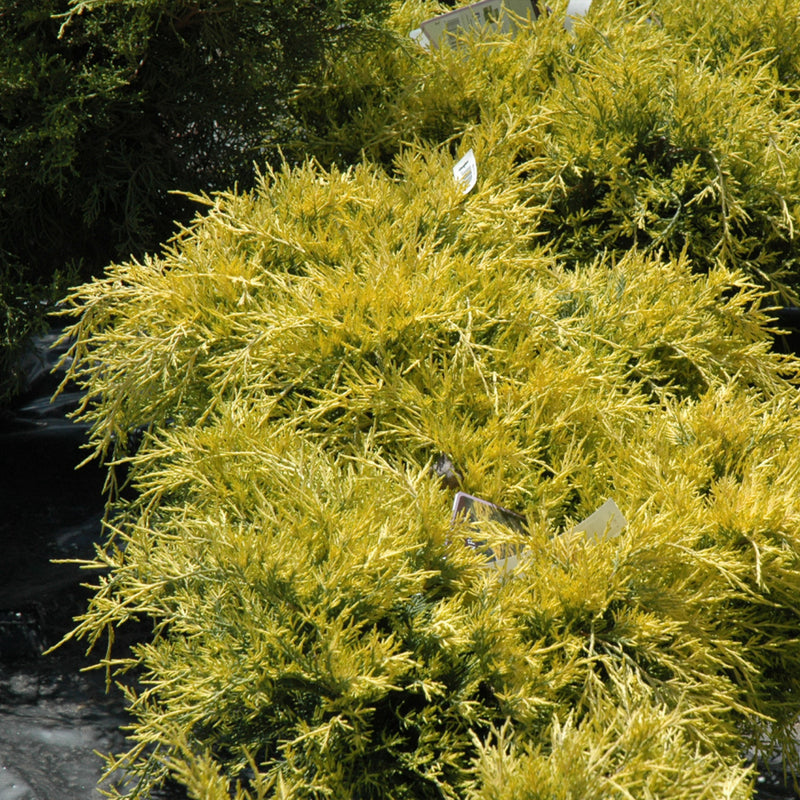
[[51, 721], [53, 717]]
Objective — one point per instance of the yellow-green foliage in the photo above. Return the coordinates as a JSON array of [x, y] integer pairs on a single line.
[[301, 357], [660, 124]]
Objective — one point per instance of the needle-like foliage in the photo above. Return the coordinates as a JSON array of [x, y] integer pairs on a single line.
[[657, 124], [281, 386]]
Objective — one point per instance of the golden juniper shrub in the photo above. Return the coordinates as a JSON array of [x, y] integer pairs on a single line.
[[660, 125], [300, 357], [588, 322]]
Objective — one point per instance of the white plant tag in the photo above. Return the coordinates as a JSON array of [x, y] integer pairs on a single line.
[[469, 508], [485, 12], [465, 172], [420, 38], [488, 13], [605, 523]]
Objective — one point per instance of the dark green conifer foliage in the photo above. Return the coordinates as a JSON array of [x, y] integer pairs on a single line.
[[107, 107], [302, 354]]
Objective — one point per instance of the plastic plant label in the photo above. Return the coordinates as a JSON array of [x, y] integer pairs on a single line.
[[471, 509], [465, 172], [484, 13], [605, 523], [488, 13], [420, 38]]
